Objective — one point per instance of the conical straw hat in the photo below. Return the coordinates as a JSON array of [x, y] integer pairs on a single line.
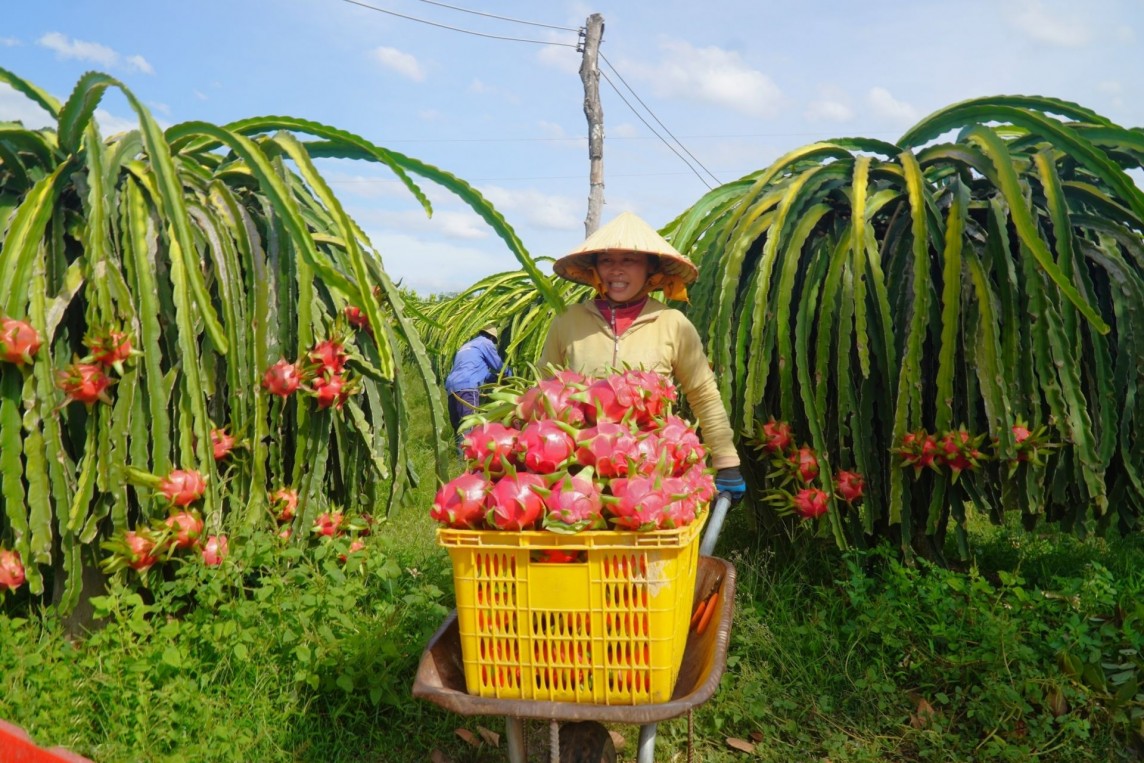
[[492, 331], [626, 233]]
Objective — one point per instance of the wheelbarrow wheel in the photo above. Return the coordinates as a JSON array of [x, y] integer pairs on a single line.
[[586, 742]]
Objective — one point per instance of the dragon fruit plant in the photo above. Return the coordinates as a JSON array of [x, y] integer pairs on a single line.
[[572, 453]]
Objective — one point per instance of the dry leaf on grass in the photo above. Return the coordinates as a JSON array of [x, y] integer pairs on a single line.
[[742, 745], [438, 757], [757, 736], [489, 736], [923, 715], [469, 737]]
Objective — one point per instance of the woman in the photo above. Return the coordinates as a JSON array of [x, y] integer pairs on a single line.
[[622, 326]]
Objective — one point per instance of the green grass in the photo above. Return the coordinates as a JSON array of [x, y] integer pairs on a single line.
[[295, 656]]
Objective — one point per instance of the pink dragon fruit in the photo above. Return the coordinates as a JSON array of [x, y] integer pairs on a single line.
[[810, 503], [516, 501], [681, 509], [215, 550], [18, 341], [573, 504], [182, 487], [611, 399], [490, 447], [700, 482], [187, 527], [849, 486], [654, 393], [462, 501], [12, 574], [638, 503], [682, 444], [546, 445], [554, 398], [608, 447]]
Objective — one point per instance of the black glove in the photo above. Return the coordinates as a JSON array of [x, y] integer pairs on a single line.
[[730, 481]]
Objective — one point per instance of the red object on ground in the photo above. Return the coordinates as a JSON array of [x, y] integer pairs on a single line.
[[17, 747]]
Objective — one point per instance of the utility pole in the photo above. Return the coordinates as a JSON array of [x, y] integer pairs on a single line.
[[590, 36]]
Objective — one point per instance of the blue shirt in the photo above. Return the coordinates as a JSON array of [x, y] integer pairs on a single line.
[[476, 363]]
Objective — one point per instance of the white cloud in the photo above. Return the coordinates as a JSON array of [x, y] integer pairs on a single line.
[[551, 130], [711, 75], [9, 42], [560, 57], [1054, 26], [625, 130], [17, 107], [200, 95], [398, 61], [110, 124], [93, 52], [535, 208], [139, 63], [428, 265], [884, 104], [828, 111]]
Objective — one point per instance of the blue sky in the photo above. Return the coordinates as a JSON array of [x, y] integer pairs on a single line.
[[737, 82]]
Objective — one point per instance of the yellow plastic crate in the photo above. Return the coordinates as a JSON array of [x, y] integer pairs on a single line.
[[608, 628]]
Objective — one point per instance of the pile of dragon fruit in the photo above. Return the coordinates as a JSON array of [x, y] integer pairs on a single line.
[[574, 453]]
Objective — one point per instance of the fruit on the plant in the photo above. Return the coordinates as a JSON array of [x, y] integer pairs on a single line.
[[187, 527], [84, 382], [918, 450], [109, 348], [222, 443], [810, 503], [284, 503], [327, 359], [355, 546], [329, 523], [331, 391], [805, 462], [182, 487], [516, 502], [462, 501], [143, 551], [12, 574], [356, 317], [959, 451], [849, 486], [777, 437], [215, 550], [18, 341], [282, 379]]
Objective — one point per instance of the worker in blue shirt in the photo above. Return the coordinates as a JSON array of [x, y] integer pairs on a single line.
[[476, 363]]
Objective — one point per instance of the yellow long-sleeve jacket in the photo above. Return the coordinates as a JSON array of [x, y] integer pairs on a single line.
[[660, 339]]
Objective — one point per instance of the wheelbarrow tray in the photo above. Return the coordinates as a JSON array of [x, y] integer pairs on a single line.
[[441, 675]]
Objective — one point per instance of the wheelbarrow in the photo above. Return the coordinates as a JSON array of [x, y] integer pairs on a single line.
[[441, 677]]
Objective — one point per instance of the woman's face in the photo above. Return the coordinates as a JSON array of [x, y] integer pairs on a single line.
[[623, 273]]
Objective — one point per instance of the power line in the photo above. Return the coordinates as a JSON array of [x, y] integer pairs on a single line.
[[648, 125], [502, 18], [657, 120], [456, 29]]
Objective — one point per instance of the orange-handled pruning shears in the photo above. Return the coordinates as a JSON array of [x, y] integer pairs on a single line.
[[706, 606]]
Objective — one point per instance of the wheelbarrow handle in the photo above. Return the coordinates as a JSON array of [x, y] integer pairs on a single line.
[[715, 524]]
